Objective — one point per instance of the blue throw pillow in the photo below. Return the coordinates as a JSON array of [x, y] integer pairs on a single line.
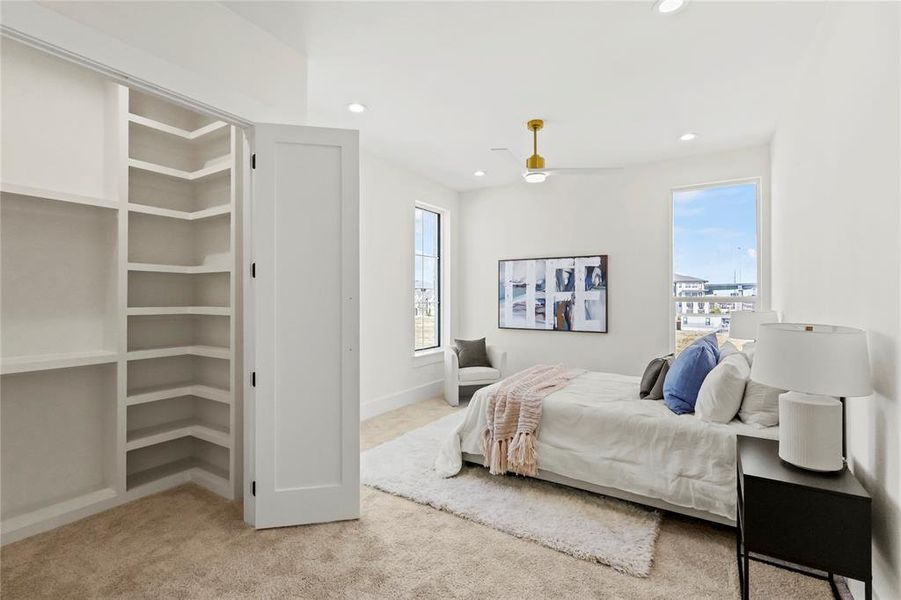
[[687, 373]]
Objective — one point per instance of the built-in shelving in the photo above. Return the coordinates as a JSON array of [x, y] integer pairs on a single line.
[[45, 194], [118, 328], [184, 215], [179, 310], [47, 362], [157, 434], [205, 351], [180, 471], [222, 165], [177, 131], [156, 394], [184, 269]]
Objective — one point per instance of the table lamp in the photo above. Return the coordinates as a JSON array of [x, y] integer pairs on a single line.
[[821, 365], [743, 324]]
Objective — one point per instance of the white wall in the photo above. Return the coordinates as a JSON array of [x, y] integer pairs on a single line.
[[836, 231], [201, 50], [390, 376], [626, 216]]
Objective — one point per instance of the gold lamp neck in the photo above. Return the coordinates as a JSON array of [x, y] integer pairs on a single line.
[[536, 161]]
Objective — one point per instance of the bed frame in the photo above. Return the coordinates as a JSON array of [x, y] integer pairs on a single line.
[[479, 460]]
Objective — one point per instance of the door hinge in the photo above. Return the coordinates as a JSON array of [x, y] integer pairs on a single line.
[[253, 379], [253, 488], [253, 270], [253, 161]]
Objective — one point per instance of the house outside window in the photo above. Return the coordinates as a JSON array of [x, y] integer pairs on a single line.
[[716, 242]]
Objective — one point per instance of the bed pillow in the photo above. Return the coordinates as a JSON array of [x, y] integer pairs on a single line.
[[760, 405], [723, 389], [650, 376], [656, 392], [680, 389], [472, 353], [727, 349], [748, 351]]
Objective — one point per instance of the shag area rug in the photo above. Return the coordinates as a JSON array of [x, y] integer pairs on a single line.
[[584, 525]]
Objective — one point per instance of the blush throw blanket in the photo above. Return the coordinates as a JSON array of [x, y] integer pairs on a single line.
[[514, 413]]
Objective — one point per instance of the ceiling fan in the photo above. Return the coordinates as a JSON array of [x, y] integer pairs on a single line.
[[535, 170]]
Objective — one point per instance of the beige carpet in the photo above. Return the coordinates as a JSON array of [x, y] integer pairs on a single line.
[[189, 543]]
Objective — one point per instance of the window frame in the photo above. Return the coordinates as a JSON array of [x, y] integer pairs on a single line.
[[762, 300], [439, 260]]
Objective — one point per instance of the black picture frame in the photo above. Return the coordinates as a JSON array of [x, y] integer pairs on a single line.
[[604, 265]]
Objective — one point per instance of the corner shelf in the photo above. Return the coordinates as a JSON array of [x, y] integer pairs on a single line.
[[196, 215], [45, 194], [176, 131], [204, 351], [46, 362], [184, 269], [180, 471], [157, 434], [179, 310], [167, 392], [222, 165]]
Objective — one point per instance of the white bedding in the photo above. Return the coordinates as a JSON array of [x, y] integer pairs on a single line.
[[597, 430]]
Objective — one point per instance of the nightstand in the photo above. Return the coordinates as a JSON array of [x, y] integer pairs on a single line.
[[815, 520]]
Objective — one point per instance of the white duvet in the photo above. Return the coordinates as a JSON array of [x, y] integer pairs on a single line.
[[597, 430]]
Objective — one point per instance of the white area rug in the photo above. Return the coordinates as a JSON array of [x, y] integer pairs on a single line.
[[578, 523]]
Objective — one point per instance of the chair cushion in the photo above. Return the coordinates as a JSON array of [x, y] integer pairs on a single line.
[[478, 374]]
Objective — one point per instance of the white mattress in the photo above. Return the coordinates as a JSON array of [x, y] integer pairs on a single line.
[[597, 430]]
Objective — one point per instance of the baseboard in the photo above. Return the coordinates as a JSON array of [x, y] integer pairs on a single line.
[[375, 407]]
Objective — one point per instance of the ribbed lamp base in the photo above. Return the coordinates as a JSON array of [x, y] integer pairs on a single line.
[[810, 431]]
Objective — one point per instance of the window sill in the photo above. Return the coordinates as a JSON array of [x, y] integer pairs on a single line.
[[422, 358]]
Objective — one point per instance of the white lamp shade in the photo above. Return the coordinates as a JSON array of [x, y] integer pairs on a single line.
[[743, 324], [813, 359]]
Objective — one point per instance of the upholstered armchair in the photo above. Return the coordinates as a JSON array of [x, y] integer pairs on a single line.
[[471, 377]]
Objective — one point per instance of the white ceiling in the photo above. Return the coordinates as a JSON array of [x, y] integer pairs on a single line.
[[617, 83]]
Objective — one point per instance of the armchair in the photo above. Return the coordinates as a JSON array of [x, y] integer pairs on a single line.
[[476, 377]]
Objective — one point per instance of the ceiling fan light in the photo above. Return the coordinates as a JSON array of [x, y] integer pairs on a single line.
[[535, 177]]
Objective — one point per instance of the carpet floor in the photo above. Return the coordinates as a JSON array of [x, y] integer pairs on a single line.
[[189, 543]]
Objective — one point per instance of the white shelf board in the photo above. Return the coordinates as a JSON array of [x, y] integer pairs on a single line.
[[176, 391], [179, 310], [224, 164], [178, 471], [196, 215], [150, 436], [177, 131], [186, 269], [207, 351], [54, 511], [24, 190], [46, 362]]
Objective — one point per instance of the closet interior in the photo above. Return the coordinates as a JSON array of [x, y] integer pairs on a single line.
[[119, 243]]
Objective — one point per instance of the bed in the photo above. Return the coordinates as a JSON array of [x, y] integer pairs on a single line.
[[596, 434]]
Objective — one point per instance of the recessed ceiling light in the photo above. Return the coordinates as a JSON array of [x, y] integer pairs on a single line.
[[479, 173], [668, 7], [687, 137], [535, 177], [356, 107]]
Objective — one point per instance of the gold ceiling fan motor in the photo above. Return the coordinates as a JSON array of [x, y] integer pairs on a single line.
[[535, 161]]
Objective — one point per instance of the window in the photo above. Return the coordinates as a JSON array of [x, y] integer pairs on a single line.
[[427, 281], [715, 250]]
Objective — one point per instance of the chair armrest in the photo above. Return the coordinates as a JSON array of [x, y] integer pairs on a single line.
[[497, 358], [451, 377]]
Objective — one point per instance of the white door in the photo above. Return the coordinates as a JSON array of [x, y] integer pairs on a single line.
[[304, 326]]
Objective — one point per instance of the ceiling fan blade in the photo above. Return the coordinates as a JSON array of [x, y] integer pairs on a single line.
[[510, 156], [582, 170]]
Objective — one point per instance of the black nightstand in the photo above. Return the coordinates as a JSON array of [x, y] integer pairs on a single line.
[[816, 520]]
